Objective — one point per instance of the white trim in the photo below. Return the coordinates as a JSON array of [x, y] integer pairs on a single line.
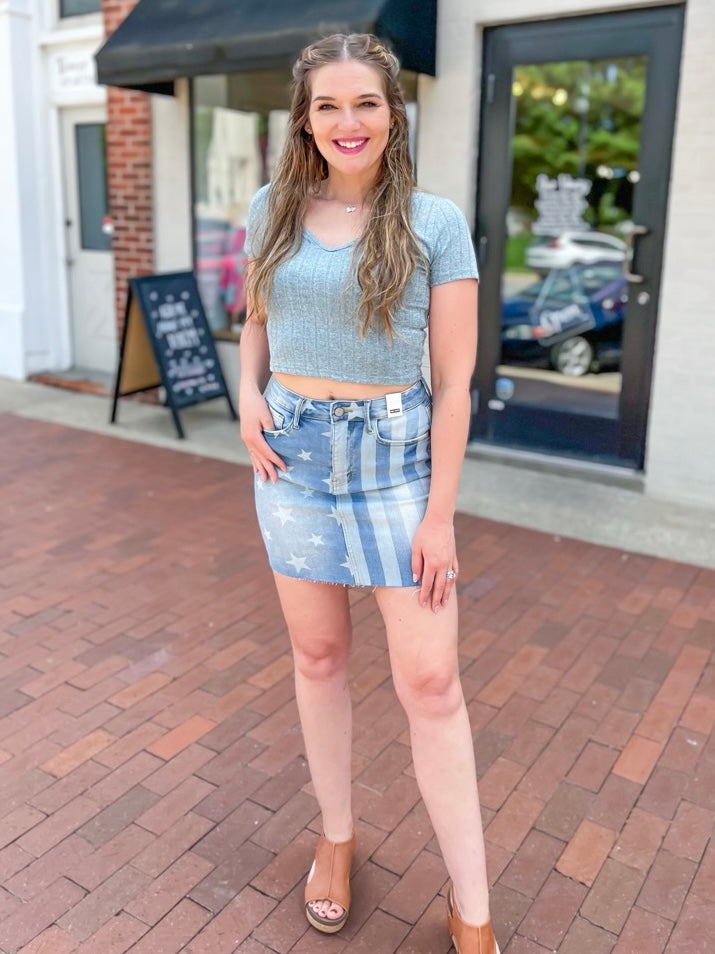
[[63, 325], [16, 8], [171, 186], [80, 21], [91, 33]]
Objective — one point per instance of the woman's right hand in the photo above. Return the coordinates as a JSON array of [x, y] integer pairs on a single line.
[[255, 415]]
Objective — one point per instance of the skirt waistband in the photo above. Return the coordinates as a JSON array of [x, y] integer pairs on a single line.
[[297, 406]]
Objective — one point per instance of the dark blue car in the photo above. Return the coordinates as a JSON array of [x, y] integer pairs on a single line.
[[571, 319]]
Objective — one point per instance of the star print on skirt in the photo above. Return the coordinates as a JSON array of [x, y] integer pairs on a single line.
[[355, 489]]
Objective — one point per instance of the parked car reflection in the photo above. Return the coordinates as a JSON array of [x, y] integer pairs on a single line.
[[572, 319], [546, 252]]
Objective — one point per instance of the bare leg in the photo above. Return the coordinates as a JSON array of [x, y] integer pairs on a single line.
[[318, 620], [423, 655]]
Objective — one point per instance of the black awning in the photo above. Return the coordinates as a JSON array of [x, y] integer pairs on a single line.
[[161, 40]]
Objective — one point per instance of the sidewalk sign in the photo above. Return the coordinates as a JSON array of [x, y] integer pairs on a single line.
[[167, 341]]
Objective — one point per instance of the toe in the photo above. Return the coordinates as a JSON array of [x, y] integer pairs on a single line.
[[326, 909]]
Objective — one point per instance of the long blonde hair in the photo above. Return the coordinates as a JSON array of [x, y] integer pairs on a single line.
[[388, 252]]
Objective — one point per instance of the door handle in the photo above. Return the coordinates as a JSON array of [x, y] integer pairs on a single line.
[[483, 246], [630, 236]]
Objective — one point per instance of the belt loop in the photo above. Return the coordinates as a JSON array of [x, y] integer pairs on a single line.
[[368, 416], [297, 411]]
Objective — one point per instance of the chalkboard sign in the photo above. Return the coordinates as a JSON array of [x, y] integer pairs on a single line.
[[167, 340]]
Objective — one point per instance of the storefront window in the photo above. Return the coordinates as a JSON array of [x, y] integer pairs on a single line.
[[235, 148], [239, 128], [73, 8]]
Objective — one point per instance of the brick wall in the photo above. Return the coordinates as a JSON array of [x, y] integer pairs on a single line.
[[129, 159]]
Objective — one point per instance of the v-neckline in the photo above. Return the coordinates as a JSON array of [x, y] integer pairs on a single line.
[[327, 248]]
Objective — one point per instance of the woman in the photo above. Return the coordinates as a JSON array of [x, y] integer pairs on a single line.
[[356, 469]]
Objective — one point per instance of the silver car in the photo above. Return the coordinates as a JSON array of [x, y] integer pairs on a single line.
[[548, 252]]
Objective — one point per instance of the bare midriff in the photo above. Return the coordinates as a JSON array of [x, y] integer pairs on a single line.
[[326, 389]]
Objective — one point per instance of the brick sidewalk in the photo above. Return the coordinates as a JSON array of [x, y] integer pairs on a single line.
[[153, 791]]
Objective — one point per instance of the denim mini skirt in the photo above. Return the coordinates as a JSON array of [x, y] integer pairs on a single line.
[[355, 489]]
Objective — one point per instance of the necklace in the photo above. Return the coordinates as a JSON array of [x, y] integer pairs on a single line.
[[349, 207]]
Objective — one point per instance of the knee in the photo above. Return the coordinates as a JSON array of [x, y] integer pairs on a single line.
[[430, 694], [319, 659]]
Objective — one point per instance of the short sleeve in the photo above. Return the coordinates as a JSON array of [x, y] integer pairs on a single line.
[[450, 246], [256, 222]]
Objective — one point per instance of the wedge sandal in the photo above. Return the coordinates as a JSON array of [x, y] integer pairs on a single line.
[[469, 938], [329, 880]]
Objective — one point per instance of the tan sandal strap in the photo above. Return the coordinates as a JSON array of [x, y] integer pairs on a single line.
[[470, 938], [331, 875]]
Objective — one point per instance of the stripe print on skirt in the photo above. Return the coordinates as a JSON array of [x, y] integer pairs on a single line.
[[355, 490]]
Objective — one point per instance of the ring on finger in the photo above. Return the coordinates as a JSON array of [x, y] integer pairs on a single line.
[[451, 574]]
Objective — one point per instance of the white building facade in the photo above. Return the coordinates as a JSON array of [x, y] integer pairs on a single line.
[[679, 459], [56, 303], [645, 420]]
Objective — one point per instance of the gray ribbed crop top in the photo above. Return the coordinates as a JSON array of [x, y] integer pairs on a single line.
[[312, 325]]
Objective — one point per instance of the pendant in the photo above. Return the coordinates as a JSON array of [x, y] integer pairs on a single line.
[[350, 208]]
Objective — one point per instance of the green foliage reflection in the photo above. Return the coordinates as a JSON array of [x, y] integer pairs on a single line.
[[582, 118]]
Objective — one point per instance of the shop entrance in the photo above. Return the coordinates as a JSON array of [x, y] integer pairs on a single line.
[[90, 264], [576, 134]]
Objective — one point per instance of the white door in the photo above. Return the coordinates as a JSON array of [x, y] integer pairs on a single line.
[[89, 257]]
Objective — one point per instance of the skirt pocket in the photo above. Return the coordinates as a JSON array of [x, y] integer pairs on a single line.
[[282, 420], [410, 427]]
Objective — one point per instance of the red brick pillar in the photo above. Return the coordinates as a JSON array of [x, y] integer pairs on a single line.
[[129, 162]]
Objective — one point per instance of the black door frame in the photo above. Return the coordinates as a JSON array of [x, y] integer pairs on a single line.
[[656, 33]]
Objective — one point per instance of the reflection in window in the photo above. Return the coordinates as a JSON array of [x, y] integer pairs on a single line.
[[91, 148], [581, 119], [576, 130], [234, 153], [239, 128], [73, 8]]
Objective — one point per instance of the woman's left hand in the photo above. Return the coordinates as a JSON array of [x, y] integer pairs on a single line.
[[434, 561]]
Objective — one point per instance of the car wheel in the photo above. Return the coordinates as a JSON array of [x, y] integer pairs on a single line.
[[573, 357]]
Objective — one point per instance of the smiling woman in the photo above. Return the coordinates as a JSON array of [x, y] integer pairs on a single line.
[[356, 464]]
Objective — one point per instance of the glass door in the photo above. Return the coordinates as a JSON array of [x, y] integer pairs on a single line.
[[576, 131]]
